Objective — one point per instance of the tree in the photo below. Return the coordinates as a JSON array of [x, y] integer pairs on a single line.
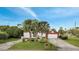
[[44, 28], [35, 26], [4, 27], [54, 30], [61, 31], [63, 34], [3, 35], [74, 32], [27, 26], [14, 32]]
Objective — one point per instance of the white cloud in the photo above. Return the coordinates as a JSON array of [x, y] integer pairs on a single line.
[[30, 11]]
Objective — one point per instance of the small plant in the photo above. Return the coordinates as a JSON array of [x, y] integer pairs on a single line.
[[23, 40], [42, 41], [32, 40], [49, 46], [64, 37]]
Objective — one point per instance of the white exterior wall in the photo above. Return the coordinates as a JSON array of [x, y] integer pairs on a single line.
[[53, 36], [39, 34], [26, 35]]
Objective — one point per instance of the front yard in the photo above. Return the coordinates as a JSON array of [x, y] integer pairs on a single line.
[[30, 45], [73, 40]]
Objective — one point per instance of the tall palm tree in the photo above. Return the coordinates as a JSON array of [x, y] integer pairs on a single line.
[[44, 28], [35, 26], [27, 26]]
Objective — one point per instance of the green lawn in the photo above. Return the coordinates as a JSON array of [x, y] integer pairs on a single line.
[[29, 45], [73, 41], [7, 40]]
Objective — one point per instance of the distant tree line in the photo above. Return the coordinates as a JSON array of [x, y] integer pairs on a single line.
[[72, 31]]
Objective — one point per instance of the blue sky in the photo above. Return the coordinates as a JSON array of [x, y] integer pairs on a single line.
[[56, 16]]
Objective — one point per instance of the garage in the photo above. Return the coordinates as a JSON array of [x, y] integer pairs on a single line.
[[53, 35]]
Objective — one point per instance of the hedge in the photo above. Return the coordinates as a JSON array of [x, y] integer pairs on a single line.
[[64, 37], [3, 35], [14, 32]]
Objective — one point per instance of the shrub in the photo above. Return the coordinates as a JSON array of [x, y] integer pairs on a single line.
[[60, 36], [64, 37], [14, 32], [77, 35], [3, 35], [32, 39]]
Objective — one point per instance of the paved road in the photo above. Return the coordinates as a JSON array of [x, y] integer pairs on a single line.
[[7, 45], [63, 45]]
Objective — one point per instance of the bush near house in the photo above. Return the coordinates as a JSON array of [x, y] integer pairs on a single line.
[[10, 33], [3, 35], [14, 32], [64, 37], [63, 34]]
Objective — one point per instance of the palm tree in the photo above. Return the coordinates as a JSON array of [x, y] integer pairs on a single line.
[[44, 28], [35, 27], [27, 26]]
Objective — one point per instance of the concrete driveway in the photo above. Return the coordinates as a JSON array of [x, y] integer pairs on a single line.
[[63, 45], [7, 45]]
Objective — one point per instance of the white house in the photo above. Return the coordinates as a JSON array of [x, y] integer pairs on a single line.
[[50, 35], [27, 35], [39, 34]]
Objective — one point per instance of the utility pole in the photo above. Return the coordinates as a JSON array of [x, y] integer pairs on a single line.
[[75, 24]]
